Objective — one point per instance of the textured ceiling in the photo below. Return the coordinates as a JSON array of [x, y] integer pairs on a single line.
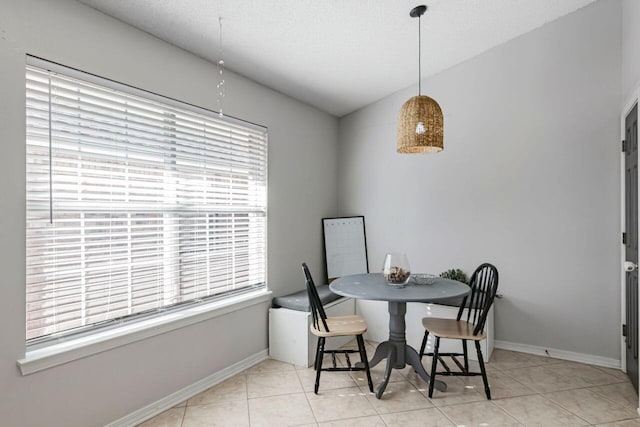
[[337, 55]]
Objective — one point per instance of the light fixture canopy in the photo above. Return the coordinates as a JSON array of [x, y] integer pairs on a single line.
[[420, 123]]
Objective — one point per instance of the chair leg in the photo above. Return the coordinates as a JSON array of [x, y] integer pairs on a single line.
[[466, 356], [424, 344], [434, 362], [365, 362], [320, 356], [484, 372], [316, 363]]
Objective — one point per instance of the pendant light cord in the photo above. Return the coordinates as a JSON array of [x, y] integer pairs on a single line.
[[419, 58], [220, 64]]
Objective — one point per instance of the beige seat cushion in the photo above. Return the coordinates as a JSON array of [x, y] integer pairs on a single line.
[[341, 326], [451, 328]]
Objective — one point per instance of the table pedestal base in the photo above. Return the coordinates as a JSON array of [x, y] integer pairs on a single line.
[[397, 352]]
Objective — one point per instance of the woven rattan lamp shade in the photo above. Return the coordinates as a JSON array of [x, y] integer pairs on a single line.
[[420, 126]]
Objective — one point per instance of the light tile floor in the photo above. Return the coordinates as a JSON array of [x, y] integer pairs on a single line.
[[527, 390]]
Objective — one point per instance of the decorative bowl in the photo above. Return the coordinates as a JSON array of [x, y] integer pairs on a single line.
[[423, 279]]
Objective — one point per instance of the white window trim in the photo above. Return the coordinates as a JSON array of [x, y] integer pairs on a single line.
[[70, 349]]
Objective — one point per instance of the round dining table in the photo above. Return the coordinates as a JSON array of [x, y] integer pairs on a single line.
[[396, 350]]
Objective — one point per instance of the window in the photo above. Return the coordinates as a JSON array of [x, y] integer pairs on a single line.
[[136, 204]]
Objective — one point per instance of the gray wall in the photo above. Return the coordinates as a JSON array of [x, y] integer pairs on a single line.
[[630, 47], [528, 180], [107, 386]]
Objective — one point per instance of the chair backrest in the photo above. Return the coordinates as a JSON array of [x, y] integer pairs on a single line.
[[317, 310], [484, 285]]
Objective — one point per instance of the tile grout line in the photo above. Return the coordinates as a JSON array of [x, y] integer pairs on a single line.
[[573, 413], [505, 411], [184, 413], [546, 367], [517, 381], [246, 393], [554, 374], [606, 397], [313, 413], [446, 416], [550, 401], [542, 394], [433, 406]]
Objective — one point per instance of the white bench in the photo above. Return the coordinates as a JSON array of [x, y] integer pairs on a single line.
[[290, 339]]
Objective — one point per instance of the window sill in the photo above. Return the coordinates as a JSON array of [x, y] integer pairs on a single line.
[[77, 348]]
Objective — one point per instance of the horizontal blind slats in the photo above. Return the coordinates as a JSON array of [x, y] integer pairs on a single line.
[[153, 205], [38, 82]]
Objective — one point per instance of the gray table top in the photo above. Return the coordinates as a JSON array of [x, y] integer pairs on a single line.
[[374, 287]]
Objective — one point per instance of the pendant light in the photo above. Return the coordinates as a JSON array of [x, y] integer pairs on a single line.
[[420, 123]]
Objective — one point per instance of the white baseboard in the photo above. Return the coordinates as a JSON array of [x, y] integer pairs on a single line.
[[179, 396], [605, 362]]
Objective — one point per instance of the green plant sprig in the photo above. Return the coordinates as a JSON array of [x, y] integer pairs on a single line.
[[455, 274]]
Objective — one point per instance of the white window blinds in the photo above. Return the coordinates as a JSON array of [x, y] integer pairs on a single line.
[[135, 203]]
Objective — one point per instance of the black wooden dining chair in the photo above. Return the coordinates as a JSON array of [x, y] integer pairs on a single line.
[[484, 284], [337, 326]]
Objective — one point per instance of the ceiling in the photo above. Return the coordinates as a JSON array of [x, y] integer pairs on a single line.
[[337, 55]]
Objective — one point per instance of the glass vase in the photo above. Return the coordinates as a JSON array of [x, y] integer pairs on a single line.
[[396, 270]]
